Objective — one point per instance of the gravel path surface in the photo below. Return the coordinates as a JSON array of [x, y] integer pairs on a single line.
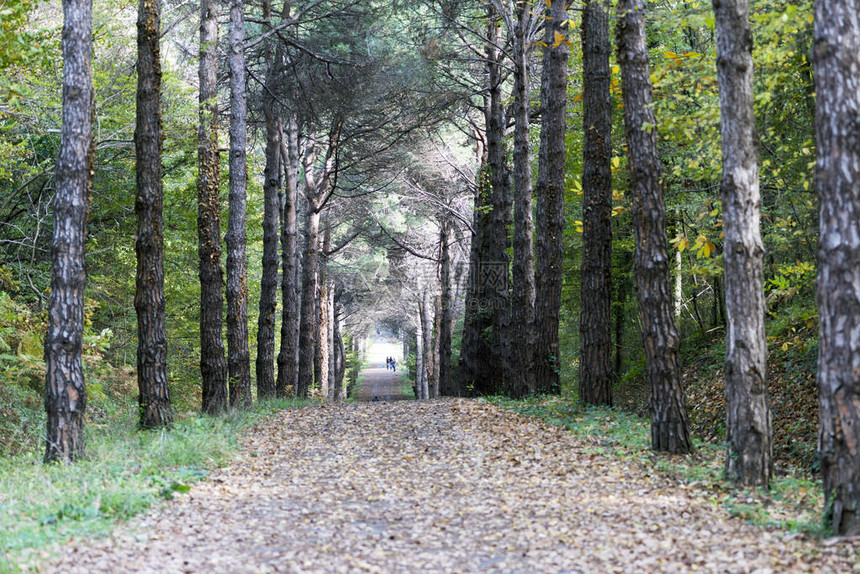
[[440, 486]]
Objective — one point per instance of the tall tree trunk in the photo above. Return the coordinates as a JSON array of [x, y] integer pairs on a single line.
[[65, 394], [321, 357], [436, 388], [749, 455], [238, 353], [265, 362], [288, 354], [307, 326], [339, 352], [595, 323], [494, 268], [427, 337], [520, 378], [213, 365], [153, 398], [836, 59], [482, 364], [446, 382], [669, 428], [550, 198], [420, 363], [332, 345]]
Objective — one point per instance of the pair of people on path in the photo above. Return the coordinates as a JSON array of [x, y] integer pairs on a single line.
[[390, 363]]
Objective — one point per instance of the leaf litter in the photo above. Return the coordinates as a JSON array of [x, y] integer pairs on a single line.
[[450, 485]]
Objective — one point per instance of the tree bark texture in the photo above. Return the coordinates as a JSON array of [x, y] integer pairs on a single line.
[[238, 352], [836, 67], [321, 353], [475, 349], [427, 337], [265, 361], [308, 320], [339, 353], [749, 456], [288, 354], [520, 377], [482, 364], [213, 365], [65, 393], [550, 199], [595, 320], [420, 362], [669, 427], [332, 344], [436, 387], [154, 397], [446, 382]]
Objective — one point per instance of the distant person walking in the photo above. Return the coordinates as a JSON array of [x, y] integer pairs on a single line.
[[393, 365]]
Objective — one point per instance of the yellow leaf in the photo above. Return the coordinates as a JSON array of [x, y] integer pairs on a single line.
[[577, 98], [548, 4], [559, 38], [683, 244], [672, 55], [785, 346]]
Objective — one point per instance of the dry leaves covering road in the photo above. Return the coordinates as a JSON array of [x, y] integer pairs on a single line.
[[440, 486]]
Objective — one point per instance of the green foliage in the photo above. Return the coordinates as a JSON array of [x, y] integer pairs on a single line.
[[22, 47]]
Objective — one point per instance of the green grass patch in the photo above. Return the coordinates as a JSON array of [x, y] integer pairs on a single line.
[[794, 502], [407, 386], [124, 472]]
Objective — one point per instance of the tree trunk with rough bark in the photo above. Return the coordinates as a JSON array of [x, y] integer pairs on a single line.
[[836, 61], [749, 455], [265, 362], [288, 354], [550, 198], [213, 365], [482, 364], [420, 364], [238, 353], [520, 378], [154, 397], [322, 355], [65, 393], [339, 352], [595, 320], [669, 427], [332, 344], [436, 387], [308, 318], [427, 338], [446, 382]]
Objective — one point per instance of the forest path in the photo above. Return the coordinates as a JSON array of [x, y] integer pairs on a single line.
[[439, 486], [378, 382]]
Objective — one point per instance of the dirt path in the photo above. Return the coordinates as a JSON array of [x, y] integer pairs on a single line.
[[378, 382], [440, 486]]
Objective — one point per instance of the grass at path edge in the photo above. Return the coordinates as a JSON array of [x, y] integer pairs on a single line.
[[124, 472], [794, 501]]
